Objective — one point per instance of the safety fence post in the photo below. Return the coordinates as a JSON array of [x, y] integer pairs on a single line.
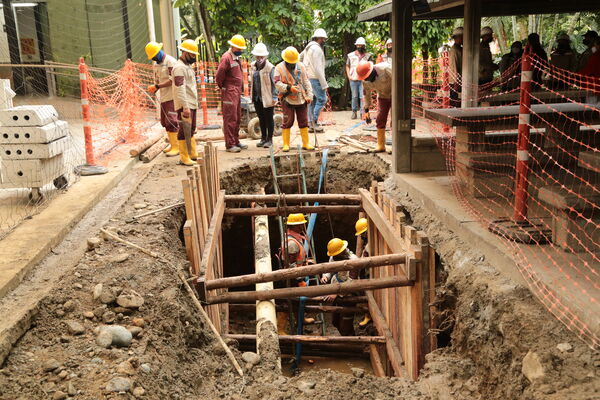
[[445, 84], [522, 167], [85, 112], [245, 74], [203, 100]]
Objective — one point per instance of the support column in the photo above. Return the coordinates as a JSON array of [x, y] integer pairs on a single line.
[[267, 340], [150, 16], [401, 85], [166, 27], [470, 62]]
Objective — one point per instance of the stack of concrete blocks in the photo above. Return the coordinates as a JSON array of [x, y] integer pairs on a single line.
[[32, 145]]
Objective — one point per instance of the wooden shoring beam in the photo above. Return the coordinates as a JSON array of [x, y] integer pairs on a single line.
[[309, 270], [383, 329], [292, 198], [310, 291], [213, 234], [284, 211], [314, 339], [317, 309]]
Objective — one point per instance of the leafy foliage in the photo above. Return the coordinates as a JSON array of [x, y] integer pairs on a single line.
[[428, 36]]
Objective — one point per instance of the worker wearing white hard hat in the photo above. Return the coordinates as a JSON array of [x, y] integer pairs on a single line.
[[263, 93], [356, 86], [387, 55], [313, 58]]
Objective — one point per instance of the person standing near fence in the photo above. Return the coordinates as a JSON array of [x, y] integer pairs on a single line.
[[313, 57], [295, 93], [263, 92], [229, 78], [387, 56], [455, 66], [352, 61], [164, 87], [379, 78], [486, 63], [185, 99]]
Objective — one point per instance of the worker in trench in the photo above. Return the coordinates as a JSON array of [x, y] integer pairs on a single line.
[[164, 86], [361, 226], [229, 78], [297, 257], [337, 250], [377, 77], [185, 99]]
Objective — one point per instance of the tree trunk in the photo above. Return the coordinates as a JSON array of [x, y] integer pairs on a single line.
[[347, 47], [498, 26], [425, 55], [553, 32], [515, 28], [201, 17]]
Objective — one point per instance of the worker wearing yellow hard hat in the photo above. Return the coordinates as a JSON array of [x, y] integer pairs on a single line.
[[296, 257], [361, 226], [164, 85], [230, 80], [185, 98], [295, 94], [337, 250]]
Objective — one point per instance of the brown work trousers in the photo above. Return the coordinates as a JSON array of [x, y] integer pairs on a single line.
[[232, 114], [299, 111]]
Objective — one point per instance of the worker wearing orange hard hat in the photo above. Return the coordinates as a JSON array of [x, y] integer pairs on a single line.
[[164, 86], [185, 99], [230, 80], [377, 77]]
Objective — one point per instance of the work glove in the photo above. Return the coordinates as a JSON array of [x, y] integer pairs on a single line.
[[186, 114], [294, 89], [152, 88], [367, 117]]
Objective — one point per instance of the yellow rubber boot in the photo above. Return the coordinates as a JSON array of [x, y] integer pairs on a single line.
[[365, 321], [184, 157], [282, 319], [194, 153], [285, 134], [380, 141], [173, 149], [304, 135]]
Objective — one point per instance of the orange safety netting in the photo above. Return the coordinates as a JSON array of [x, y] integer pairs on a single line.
[[524, 160]]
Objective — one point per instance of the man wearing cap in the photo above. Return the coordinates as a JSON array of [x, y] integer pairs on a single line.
[[387, 56], [486, 64], [352, 61], [455, 66], [229, 78], [185, 99], [379, 78], [164, 85], [313, 58], [588, 39]]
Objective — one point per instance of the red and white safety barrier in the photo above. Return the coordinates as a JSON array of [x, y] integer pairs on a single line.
[[85, 112], [245, 75], [203, 100], [445, 83]]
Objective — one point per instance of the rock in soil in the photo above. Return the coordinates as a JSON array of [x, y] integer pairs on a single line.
[[532, 366], [138, 322], [50, 365], [250, 357], [138, 391], [119, 258], [358, 372], [93, 243], [119, 335], [118, 384], [71, 389], [564, 347], [125, 368], [306, 387], [145, 368], [108, 317], [69, 306], [130, 299], [74, 327], [135, 330], [140, 206], [88, 314], [59, 395]]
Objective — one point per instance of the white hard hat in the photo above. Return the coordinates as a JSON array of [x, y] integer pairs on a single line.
[[457, 31], [389, 41], [320, 33], [486, 30], [260, 49], [360, 41]]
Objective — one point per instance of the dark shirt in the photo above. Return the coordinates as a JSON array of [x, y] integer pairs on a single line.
[[256, 92]]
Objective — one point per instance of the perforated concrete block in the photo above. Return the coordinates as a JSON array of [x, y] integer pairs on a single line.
[[33, 134], [30, 151], [31, 173], [28, 115]]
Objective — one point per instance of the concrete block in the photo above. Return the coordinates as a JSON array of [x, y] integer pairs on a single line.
[[38, 115], [33, 134], [30, 151], [31, 173]]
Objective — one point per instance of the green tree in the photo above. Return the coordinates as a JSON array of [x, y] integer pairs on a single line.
[[427, 37]]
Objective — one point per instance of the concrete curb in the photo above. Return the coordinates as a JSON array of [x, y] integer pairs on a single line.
[[22, 249]]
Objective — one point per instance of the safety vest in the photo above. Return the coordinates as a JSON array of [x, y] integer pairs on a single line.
[[301, 257], [292, 79]]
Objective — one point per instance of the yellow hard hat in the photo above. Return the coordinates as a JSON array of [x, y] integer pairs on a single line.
[[296, 219], [336, 246], [237, 41], [189, 46], [361, 226], [152, 49], [290, 55]]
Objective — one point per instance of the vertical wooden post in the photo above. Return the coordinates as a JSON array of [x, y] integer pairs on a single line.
[[470, 63]]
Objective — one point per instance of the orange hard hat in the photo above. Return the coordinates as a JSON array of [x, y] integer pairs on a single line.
[[364, 69]]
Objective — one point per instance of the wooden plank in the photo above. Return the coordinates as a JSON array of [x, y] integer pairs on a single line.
[[376, 362], [393, 352], [383, 225], [213, 234], [292, 198], [284, 211], [189, 251], [433, 324], [310, 291]]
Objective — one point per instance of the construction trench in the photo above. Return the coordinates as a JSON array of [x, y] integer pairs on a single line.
[[487, 330]]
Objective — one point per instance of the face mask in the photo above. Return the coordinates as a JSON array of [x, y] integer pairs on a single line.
[[389, 50], [159, 56], [237, 53], [361, 50], [189, 58], [289, 66], [260, 63], [371, 78], [586, 42], [563, 47], [515, 50]]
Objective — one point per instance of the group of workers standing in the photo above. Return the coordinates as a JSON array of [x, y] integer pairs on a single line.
[[563, 56], [298, 84], [337, 250]]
